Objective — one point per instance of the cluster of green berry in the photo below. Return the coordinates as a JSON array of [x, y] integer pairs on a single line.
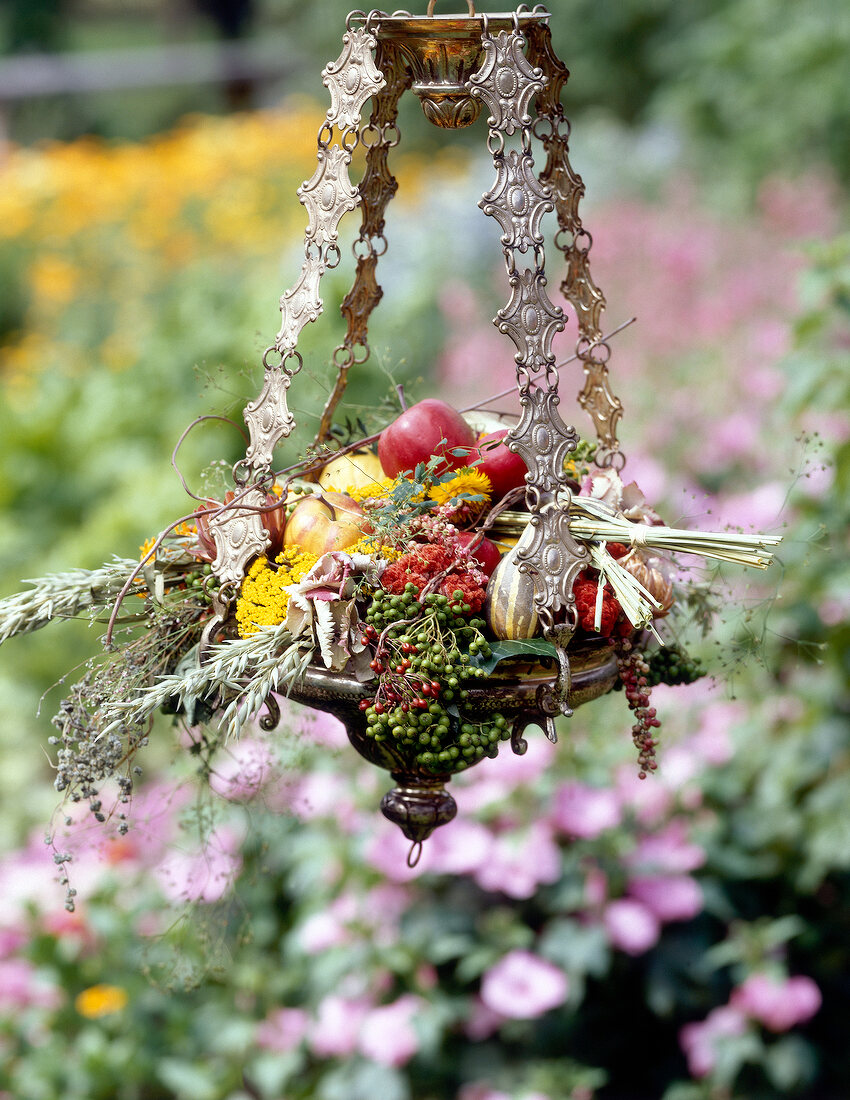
[[200, 582], [424, 655], [672, 665]]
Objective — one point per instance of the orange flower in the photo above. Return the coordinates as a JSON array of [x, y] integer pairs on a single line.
[[100, 1000]]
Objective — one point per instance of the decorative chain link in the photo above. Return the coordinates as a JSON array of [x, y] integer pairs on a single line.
[[327, 196], [506, 82], [552, 128], [376, 189]]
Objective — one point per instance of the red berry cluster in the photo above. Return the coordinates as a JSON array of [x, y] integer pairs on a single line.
[[422, 564], [585, 589], [633, 674], [397, 685]]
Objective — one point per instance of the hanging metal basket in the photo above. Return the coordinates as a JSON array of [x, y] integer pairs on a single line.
[[502, 65]]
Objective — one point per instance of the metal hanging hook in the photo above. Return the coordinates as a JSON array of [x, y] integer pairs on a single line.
[[469, 3]]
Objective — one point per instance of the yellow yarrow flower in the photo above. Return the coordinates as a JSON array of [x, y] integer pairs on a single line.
[[375, 489], [100, 1000], [369, 545], [467, 480], [262, 600]]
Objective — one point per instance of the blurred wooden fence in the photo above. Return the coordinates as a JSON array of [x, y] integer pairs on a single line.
[[233, 64]]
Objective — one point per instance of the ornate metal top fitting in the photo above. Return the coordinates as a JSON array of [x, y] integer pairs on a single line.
[[506, 81], [442, 52]]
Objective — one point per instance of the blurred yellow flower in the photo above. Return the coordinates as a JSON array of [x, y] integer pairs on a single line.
[[100, 1000], [54, 279]]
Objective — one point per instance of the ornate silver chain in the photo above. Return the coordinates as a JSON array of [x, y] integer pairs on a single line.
[[507, 82], [327, 196]]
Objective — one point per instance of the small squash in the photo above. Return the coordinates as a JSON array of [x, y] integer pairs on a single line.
[[509, 607]]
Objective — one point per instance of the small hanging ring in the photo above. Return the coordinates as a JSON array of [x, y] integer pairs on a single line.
[[359, 14], [299, 363], [415, 852], [366, 136], [496, 143], [390, 142], [241, 473], [357, 360], [332, 255], [343, 357], [431, 3], [268, 363]]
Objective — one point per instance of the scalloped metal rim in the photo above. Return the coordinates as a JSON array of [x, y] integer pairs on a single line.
[[438, 24]]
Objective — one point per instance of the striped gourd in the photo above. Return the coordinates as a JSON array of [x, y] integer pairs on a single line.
[[509, 606]]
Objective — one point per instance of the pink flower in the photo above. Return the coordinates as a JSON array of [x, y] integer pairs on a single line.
[[337, 1026], [493, 780], [282, 1030], [387, 852], [698, 1040], [11, 940], [322, 794], [713, 740], [679, 765], [649, 801], [758, 510], [668, 850], [482, 1022], [778, 1003], [631, 926], [595, 886], [241, 771], [519, 861], [205, 874], [319, 727], [460, 848], [670, 897], [522, 985], [21, 986], [322, 931], [479, 1090], [387, 1034], [583, 811]]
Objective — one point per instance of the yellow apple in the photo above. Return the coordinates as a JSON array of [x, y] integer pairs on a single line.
[[353, 471], [325, 521]]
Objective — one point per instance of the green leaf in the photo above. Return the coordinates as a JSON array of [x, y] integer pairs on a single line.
[[790, 1063], [505, 651], [187, 1080], [576, 947], [364, 1081]]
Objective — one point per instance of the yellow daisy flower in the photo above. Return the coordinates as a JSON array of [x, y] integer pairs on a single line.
[[467, 480]]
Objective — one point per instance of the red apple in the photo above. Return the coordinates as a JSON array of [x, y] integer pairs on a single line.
[[325, 521], [505, 469], [418, 433], [485, 552]]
